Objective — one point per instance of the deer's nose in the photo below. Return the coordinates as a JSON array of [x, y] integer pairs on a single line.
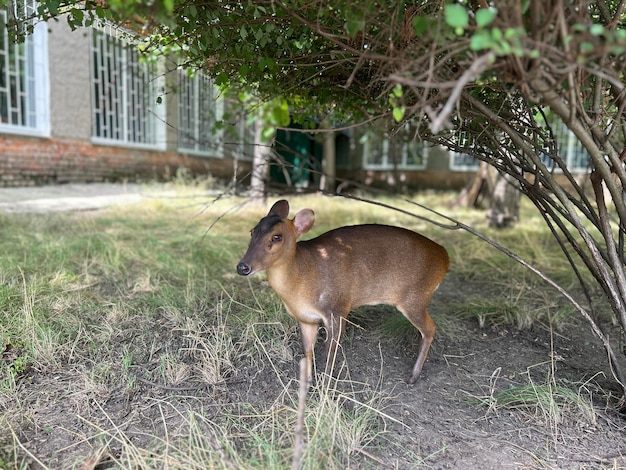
[[243, 269]]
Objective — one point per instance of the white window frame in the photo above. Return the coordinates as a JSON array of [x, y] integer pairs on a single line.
[[568, 147], [27, 86], [246, 135], [462, 161], [200, 109], [386, 162], [369, 160], [124, 92]]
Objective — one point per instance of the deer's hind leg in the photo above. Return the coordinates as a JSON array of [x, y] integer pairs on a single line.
[[417, 313]]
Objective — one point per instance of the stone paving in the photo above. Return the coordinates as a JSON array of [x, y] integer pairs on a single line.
[[67, 197]]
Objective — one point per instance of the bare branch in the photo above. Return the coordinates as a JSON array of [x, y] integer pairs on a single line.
[[440, 121]]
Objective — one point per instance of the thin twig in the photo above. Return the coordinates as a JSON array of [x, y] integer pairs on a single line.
[[439, 121]]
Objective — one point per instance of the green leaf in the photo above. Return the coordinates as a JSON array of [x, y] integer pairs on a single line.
[[169, 6], [267, 133], [266, 62], [221, 79], [244, 69], [485, 17], [456, 16], [397, 91], [596, 30], [420, 25], [481, 40], [513, 33], [279, 114], [354, 25], [398, 113], [586, 47], [78, 15]]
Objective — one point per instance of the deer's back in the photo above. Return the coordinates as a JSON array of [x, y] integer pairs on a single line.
[[373, 263]]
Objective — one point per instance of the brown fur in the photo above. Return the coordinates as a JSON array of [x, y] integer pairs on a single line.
[[322, 279]]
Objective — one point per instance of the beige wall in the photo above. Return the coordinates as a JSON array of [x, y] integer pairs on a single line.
[[69, 72]]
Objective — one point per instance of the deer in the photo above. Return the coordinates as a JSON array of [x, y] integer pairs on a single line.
[[322, 279]]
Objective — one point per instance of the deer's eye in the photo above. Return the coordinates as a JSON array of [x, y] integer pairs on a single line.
[[277, 237]]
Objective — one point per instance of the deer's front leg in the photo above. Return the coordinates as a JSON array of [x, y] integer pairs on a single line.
[[309, 335]]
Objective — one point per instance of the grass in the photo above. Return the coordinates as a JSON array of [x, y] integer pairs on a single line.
[[139, 305], [521, 313]]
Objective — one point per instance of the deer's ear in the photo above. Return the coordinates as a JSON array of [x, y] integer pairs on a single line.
[[280, 208], [303, 221]]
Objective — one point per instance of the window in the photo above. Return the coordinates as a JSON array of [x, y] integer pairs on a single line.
[[570, 149], [414, 155], [200, 112], [402, 151], [247, 128], [462, 161], [376, 152], [124, 95], [24, 106], [240, 132]]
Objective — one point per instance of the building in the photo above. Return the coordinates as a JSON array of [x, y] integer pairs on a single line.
[[84, 106]]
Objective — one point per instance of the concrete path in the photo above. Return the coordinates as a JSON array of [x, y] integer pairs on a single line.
[[66, 197]]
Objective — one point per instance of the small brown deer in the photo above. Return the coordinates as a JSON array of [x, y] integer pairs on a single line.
[[322, 279]]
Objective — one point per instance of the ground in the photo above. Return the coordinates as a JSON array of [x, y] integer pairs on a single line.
[[439, 415], [436, 423], [84, 412]]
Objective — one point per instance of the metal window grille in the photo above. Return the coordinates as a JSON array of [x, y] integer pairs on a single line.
[[415, 155], [463, 161], [247, 132], [400, 151], [22, 75], [199, 111], [124, 94], [570, 148], [572, 152]]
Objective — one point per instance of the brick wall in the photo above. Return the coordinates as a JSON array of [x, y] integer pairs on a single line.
[[29, 161]]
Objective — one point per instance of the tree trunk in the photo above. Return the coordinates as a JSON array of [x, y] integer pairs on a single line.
[[480, 185], [504, 208], [503, 194], [327, 180], [260, 165]]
